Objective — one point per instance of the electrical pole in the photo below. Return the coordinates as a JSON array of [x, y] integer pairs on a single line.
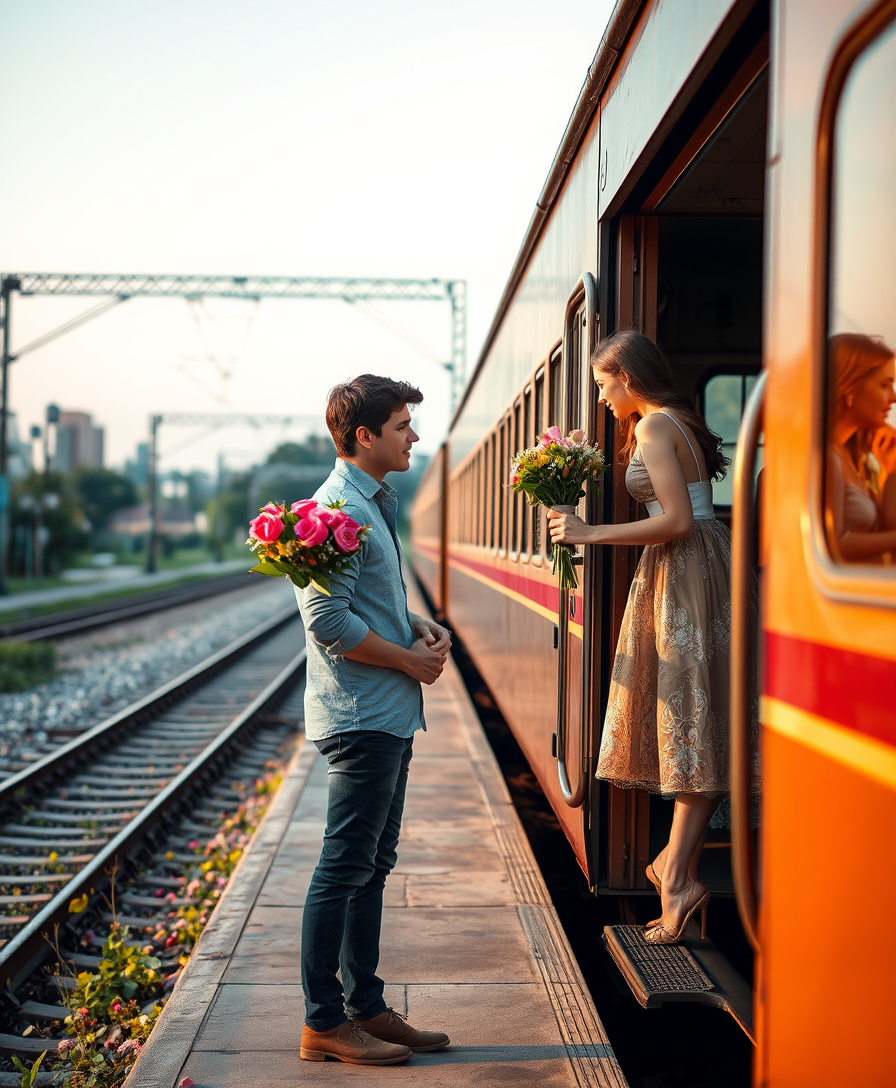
[[219, 513], [8, 285], [153, 485]]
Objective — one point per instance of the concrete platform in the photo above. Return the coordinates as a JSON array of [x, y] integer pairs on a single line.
[[471, 944]]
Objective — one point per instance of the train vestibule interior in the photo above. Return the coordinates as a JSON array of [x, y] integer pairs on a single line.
[[708, 313]]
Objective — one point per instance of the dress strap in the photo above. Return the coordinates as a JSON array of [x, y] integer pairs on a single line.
[[685, 433]]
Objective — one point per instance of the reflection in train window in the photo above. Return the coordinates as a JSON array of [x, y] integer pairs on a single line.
[[724, 398], [860, 488]]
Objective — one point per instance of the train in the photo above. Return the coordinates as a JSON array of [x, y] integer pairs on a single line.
[[724, 185]]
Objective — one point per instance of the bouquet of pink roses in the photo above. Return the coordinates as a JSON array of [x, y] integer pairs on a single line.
[[305, 543], [553, 473]]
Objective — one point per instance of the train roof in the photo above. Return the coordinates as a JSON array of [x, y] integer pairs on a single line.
[[611, 45]]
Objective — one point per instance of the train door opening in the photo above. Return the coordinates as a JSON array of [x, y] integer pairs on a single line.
[[688, 266], [574, 636]]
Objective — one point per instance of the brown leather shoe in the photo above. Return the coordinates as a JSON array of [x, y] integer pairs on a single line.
[[350, 1043], [391, 1027]]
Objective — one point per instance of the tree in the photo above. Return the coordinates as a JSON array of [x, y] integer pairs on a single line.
[[46, 503], [103, 493], [315, 450]]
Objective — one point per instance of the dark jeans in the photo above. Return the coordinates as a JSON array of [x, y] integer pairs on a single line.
[[367, 777]]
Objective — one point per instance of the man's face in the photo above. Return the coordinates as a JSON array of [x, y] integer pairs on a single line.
[[391, 450]]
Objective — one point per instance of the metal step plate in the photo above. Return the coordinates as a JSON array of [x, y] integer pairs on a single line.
[[694, 970]]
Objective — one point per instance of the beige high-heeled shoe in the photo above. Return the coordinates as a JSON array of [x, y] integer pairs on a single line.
[[663, 934], [650, 873]]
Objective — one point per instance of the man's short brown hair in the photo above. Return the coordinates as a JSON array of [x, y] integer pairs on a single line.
[[367, 401]]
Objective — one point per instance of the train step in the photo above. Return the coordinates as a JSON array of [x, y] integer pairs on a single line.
[[694, 970]]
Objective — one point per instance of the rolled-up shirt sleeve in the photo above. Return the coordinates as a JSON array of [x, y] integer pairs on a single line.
[[329, 620]]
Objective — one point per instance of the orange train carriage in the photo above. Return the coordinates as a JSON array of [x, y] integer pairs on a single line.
[[725, 185]]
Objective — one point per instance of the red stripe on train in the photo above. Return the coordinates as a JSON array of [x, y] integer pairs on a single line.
[[852, 689], [544, 593]]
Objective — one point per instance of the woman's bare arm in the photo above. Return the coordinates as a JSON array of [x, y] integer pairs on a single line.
[[660, 457]]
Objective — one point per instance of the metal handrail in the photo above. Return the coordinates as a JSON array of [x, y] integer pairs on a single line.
[[742, 535], [587, 288]]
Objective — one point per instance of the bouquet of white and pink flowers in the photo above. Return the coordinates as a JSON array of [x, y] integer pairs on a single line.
[[553, 473], [305, 543]]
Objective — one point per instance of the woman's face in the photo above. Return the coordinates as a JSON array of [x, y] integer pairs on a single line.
[[873, 397], [614, 393]]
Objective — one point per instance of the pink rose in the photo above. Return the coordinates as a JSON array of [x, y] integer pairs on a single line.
[[272, 508], [332, 517], [552, 434], [302, 508], [267, 527], [346, 535], [577, 436], [311, 530]]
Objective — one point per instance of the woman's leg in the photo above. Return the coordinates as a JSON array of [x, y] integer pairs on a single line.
[[678, 861], [690, 819]]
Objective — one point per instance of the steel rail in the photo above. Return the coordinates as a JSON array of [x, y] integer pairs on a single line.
[[62, 759], [119, 608], [27, 949]]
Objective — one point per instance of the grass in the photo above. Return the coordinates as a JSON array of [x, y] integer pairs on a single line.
[[107, 594], [25, 664]]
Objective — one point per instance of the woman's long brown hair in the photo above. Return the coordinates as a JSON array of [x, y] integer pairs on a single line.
[[639, 363], [854, 357]]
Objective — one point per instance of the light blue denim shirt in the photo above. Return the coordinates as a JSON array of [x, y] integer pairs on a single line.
[[343, 696]]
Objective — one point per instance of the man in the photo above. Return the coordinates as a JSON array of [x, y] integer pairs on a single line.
[[367, 657]]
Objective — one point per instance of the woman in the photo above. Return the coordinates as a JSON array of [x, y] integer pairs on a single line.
[[863, 512], [666, 728]]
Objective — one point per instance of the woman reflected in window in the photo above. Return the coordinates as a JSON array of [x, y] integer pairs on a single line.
[[863, 372]]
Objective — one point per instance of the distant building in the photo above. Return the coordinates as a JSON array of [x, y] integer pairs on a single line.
[[138, 470], [79, 444]]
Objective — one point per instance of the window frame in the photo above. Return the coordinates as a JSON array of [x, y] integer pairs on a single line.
[[853, 583]]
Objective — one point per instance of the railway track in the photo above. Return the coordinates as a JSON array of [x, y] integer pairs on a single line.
[[120, 608], [151, 773]]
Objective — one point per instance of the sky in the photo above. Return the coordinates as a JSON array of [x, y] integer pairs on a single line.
[[396, 138]]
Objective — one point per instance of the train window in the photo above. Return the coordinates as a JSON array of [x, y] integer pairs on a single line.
[[538, 405], [555, 393], [860, 487], [723, 398], [515, 497], [525, 440], [501, 477], [555, 399], [477, 535], [494, 492]]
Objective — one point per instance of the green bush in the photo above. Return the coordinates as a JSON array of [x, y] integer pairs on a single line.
[[24, 664]]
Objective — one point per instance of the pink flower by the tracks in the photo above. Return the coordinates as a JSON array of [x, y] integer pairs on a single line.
[[267, 527]]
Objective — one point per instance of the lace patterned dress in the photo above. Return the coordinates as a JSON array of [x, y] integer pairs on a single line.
[[666, 728]]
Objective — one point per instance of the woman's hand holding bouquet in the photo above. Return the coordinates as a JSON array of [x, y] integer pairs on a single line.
[[305, 543], [553, 474]]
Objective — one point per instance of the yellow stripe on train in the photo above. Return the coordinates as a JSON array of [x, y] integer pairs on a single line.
[[868, 756]]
